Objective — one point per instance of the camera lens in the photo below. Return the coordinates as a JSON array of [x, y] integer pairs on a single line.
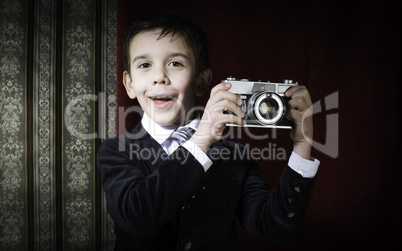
[[268, 108]]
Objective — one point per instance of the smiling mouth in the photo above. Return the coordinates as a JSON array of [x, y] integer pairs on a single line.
[[162, 98], [162, 102]]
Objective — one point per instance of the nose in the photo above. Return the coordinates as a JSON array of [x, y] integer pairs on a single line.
[[161, 78], [159, 81]]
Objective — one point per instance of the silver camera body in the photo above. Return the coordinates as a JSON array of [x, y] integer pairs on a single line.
[[264, 103]]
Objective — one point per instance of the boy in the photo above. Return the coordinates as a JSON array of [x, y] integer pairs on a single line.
[[164, 194]]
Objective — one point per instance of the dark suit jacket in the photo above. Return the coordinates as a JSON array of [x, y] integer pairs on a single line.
[[161, 202]]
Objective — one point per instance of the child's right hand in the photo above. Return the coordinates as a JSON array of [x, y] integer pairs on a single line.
[[214, 119]]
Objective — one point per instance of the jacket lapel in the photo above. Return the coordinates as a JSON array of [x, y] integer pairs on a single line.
[[151, 152]]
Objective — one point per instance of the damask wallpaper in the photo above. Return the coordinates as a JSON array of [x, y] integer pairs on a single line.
[[57, 103]]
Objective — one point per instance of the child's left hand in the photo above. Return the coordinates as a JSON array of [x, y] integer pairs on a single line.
[[299, 104]]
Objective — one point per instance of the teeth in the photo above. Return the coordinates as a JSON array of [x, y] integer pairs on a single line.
[[162, 97]]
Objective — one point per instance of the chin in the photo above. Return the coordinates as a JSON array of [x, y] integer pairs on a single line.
[[172, 115]]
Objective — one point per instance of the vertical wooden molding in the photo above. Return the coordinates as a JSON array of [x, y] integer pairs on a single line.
[[110, 89], [44, 137]]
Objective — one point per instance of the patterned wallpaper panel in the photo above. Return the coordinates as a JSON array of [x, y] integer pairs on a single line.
[[57, 102], [13, 107]]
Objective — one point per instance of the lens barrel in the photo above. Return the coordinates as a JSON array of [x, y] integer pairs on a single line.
[[267, 108]]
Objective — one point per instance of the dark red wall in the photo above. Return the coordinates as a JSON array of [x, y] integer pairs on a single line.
[[349, 47]]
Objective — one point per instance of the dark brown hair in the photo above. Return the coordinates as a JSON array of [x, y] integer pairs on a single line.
[[170, 24]]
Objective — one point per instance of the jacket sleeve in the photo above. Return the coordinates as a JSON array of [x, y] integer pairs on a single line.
[[141, 202], [274, 215]]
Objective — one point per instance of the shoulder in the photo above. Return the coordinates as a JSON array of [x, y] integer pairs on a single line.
[[111, 144], [123, 142], [112, 149]]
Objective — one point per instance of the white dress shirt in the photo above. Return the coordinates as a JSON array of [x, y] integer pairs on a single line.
[[306, 168]]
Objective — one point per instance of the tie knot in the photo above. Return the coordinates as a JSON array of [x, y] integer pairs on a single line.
[[182, 134]]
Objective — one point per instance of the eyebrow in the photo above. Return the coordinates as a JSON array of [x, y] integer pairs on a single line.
[[140, 57], [171, 55], [178, 54]]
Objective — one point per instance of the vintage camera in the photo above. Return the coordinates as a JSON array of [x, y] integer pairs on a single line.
[[264, 103]]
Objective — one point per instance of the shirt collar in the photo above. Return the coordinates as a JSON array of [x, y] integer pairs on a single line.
[[161, 133]]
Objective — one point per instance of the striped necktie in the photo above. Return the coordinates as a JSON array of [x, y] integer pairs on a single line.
[[182, 134]]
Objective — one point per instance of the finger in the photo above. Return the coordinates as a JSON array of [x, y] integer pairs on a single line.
[[236, 120], [292, 114], [220, 87], [289, 92], [302, 93], [227, 105], [222, 95], [292, 90], [298, 103], [299, 92], [224, 119]]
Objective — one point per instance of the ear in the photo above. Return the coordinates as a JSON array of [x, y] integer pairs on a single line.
[[202, 82], [128, 83]]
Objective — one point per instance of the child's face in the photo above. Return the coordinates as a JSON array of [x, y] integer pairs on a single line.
[[161, 77]]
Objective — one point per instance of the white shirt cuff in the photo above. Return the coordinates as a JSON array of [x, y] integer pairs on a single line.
[[306, 168], [204, 160]]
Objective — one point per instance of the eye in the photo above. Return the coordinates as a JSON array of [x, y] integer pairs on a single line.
[[175, 64], [144, 65]]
